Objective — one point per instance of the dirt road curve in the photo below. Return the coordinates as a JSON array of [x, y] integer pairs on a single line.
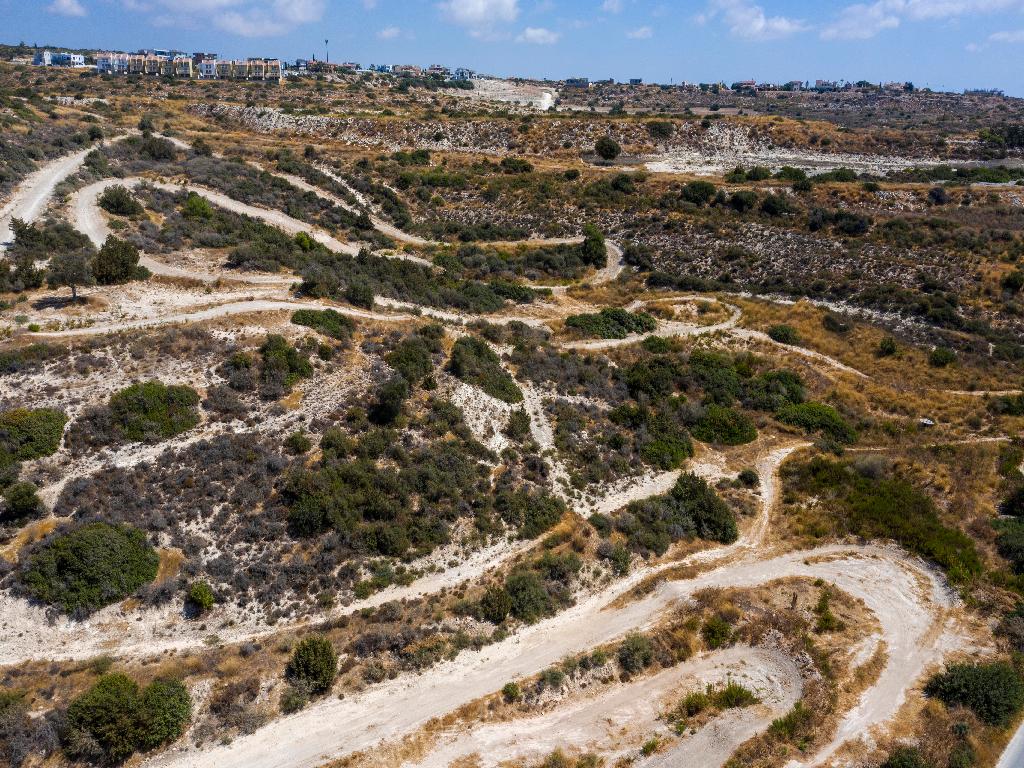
[[1013, 755], [30, 198], [908, 600]]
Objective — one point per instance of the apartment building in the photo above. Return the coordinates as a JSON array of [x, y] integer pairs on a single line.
[[177, 64], [58, 59]]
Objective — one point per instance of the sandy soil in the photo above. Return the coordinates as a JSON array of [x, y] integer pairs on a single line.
[[909, 600], [617, 719]]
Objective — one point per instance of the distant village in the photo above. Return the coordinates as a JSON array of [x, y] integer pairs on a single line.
[[209, 66]]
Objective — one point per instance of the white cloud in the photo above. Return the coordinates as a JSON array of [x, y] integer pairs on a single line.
[[389, 33], [539, 36], [749, 21], [612, 6], [860, 22], [67, 8], [1009, 36], [480, 17], [247, 18], [640, 33], [863, 20]]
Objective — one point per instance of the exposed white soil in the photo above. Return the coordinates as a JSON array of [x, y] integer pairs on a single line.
[[909, 600], [722, 147], [509, 92], [615, 720]]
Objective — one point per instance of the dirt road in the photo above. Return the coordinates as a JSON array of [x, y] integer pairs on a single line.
[[909, 601]]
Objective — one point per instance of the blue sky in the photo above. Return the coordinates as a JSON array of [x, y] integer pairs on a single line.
[[948, 44]]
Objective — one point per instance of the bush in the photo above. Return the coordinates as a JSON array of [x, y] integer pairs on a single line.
[[940, 357], [887, 509], [119, 201], [518, 426], [21, 501], [388, 404], [635, 653], [29, 434], [1013, 504], [748, 478], [611, 323], [691, 508], [200, 595], [887, 347], [529, 599], [742, 201], [607, 148], [495, 605], [716, 632], [121, 720], [818, 417], [117, 262], [993, 691], [314, 663], [784, 334], [699, 193], [153, 411], [733, 696], [86, 568], [724, 426], [297, 443], [512, 692], [412, 358], [328, 322], [905, 757], [530, 512], [475, 363]]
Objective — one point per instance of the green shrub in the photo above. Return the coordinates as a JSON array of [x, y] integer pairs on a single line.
[[152, 411], [716, 632], [412, 358], [83, 569], [122, 720], [530, 512], [512, 692], [993, 691], [21, 501], [820, 418], [733, 696], [298, 443], [387, 406], [940, 357], [475, 363], [748, 478], [518, 426], [29, 434], [529, 598], [200, 595], [495, 605], [117, 262], [165, 709], [611, 323], [691, 508], [635, 653], [724, 426], [884, 508], [293, 698], [792, 724], [607, 148], [887, 347], [314, 663], [119, 201], [699, 193], [328, 322], [784, 334], [196, 207], [905, 757]]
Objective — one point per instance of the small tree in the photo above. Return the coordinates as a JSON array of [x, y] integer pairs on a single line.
[[70, 269], [119, 201], [607, 148], [635, 653], [117, 262], [495, 605], [200, 595], [314, 663], [21, 501]]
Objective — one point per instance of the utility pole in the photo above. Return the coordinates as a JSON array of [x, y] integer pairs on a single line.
[[327, 51]]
